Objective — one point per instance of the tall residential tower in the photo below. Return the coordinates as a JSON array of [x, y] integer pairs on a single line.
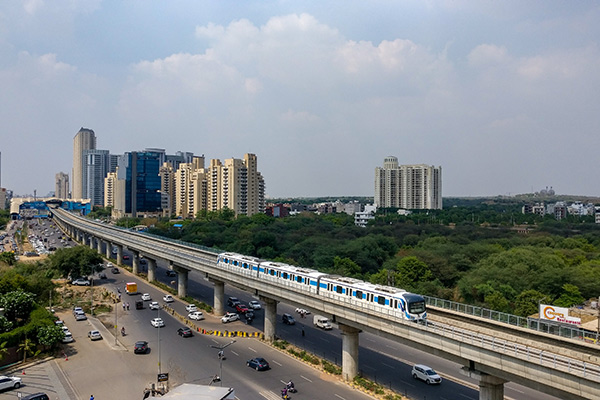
[[410, 187]]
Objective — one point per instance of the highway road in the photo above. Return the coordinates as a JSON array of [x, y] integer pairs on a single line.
[[384, 361]]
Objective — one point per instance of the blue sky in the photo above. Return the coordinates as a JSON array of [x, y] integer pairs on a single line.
[[503, 95]]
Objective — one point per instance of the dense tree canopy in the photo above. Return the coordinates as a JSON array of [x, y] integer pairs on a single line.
[[468, 252]]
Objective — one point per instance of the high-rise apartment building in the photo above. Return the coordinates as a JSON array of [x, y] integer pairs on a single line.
[[61, 187], [85, 139], [190, 188], [109, 189], [408, 186], [236, 184]]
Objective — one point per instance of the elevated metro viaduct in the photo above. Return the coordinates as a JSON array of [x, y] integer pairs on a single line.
[[492, 361]]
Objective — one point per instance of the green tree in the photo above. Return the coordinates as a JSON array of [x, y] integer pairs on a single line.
[[17, 305], [5, 325], [528, 301], [49, 335], [411, 270], [345, 267], [570, 296], [8, 257], [75, 261], [3, 350], [28, 347]]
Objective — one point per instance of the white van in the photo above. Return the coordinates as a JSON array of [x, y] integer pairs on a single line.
[[425, 373]]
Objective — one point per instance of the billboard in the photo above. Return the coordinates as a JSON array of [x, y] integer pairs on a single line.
[[557, 314]]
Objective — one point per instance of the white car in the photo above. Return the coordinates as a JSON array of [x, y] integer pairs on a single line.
[[157, 322], [229, 317], [425, 373], [167, 298], [191, 308], [302, 311], [146, 297], [196, 315], [255, 305], [81, 282], [94, 335], [68, 338], [65, 329], [154, 305], [10, 382]]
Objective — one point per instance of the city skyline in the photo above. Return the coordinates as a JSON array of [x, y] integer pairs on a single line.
[[501, 94]]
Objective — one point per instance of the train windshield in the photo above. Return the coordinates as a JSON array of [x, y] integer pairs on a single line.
[[416, 307]]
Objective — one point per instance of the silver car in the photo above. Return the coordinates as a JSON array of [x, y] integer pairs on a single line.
[[10, 382]]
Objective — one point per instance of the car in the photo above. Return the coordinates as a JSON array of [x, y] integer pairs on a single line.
[[146, 297], [109, 265], [196, 315], [140, 347], [241, 308], [258, 363], [185, 332], [139, 305], [191, 308], [167, 298], [233, 301], [102, 275], [255, 305], [94, 335], [249, 315], [171, 273], [10, 382], [426, 374], [65, 329], [59, 322], [77, 310], [81, 282], [68, 338], [115, 270], [143, 261], [288, 319], [229, 317], [36, 396], [154, 305], [157, 322], [80, 316], [125, 257]]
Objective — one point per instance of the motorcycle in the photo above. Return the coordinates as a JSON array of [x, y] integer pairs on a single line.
[[123, 332], [290, 388]]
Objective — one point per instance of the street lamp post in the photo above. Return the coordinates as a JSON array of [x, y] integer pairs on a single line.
[[221, 356]]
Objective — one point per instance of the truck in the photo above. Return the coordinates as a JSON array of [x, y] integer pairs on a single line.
[[131, 288], [322, 322]]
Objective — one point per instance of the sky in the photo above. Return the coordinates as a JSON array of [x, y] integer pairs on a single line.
[[503, 95]]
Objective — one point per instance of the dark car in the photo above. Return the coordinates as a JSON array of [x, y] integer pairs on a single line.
[[233, 301], [36, 396], [171, 273], [115, 270], [102, 275], [125, 257], [139, 304], [140, 347], [288, 319], [185, 332], [258, 363]]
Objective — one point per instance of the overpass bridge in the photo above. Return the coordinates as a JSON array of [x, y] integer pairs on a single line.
[[564, 368]]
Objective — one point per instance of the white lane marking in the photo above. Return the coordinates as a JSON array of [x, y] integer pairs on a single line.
[[275, 362], [251, 349], [339, 397], [303, 377], [233, 352], [387, 365]]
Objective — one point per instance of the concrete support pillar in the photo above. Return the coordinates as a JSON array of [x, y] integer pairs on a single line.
[[218, 297], [490, 387], [119, 254], [108, 252], [99, 245], [135, 262], [91, 242], [182, 281], [349, 351], [151, 269], [270, 317]]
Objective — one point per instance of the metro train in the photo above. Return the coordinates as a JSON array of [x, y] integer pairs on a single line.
[[353, 292]]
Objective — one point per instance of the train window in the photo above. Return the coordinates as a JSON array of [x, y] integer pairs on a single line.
[[358, 294], [381, 300], [285, 275], [339, 289], [245, 265], [395, 303], [299, 279], [271, 272], [235, 263]]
